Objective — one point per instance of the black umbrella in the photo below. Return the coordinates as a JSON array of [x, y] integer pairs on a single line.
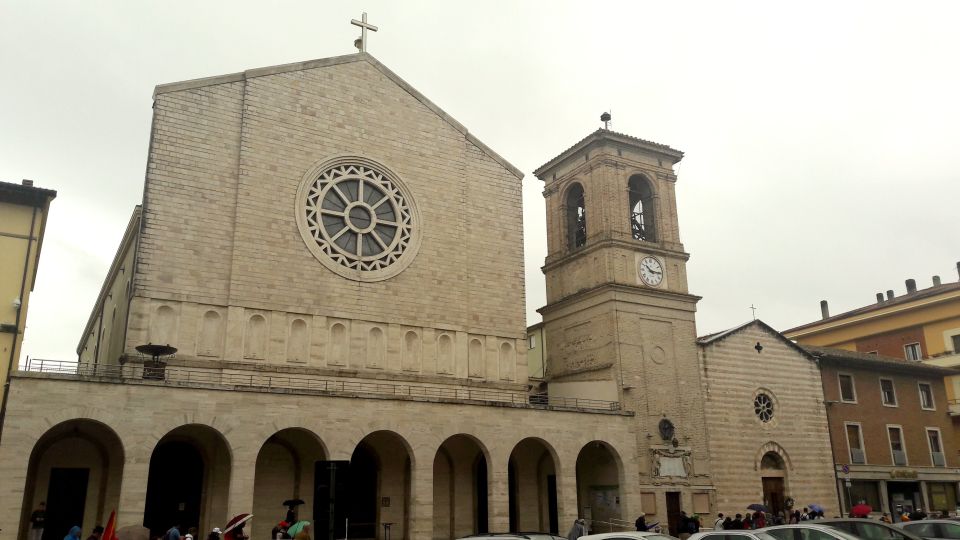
[[757, 507], [293, 502]]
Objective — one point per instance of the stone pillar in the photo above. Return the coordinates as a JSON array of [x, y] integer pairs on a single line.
[[14, 460], [421, 507], [885, 498], [133, 489], [567, 509], [499, 497], [242, 473]]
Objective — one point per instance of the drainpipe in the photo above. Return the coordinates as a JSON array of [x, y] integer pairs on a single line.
[[16, 324]]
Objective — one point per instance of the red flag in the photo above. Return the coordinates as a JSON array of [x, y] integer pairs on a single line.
[[110, 531]]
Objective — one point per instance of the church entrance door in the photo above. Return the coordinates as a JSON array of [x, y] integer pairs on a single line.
[[674, 508], [773, 494], [773, 473]]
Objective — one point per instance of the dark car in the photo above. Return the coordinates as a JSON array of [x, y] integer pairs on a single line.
[[868, 529]]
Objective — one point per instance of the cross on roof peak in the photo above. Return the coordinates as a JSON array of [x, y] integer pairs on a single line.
[[361, 43]]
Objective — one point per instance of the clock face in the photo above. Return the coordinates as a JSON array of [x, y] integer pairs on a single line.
[[651, 271]]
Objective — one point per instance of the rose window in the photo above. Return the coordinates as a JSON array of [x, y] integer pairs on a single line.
[[357, 218], [763, 407]]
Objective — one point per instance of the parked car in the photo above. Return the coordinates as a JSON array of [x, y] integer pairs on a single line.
[[932, 528], [516, 536], [869, 529], [732, 535], [628, 535], [808, 530]]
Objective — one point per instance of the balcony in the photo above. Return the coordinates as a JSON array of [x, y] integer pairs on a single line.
[[134, 373], [953, 407]]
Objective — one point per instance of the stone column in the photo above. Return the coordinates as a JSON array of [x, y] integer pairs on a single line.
[[421, 505], [498, 498], [133, 489], [567, 510], [242, 473], [925, 496], [14, 463]]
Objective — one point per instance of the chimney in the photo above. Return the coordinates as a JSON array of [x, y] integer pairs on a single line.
[[936, 281], [911, 286], [29, 183], [879, 297], [889, 294], [824, 309]]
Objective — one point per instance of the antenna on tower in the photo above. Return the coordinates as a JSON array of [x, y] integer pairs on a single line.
[[605, 118]]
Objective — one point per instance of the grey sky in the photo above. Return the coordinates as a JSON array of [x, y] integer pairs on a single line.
[[821, 139]]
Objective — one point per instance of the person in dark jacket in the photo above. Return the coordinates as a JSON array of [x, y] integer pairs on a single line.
[[737, 522], [641, 522], [727, 523]]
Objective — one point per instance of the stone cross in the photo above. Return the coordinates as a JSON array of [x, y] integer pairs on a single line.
[[362, 23], [754, 310]]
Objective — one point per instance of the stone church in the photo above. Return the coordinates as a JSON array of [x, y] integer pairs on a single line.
[[339, 266]]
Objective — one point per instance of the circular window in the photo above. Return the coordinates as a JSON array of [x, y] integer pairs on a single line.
[[763, 407], [358, 218]]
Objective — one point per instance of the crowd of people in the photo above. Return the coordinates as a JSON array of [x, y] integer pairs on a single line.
[[760, 519]]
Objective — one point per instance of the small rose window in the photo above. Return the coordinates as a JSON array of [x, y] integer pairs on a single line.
[[763, 407]]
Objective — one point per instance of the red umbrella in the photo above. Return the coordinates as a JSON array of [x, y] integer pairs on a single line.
[[235, 525], [861, 510]]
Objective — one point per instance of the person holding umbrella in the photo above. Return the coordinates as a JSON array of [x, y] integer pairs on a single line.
[[292, 505]]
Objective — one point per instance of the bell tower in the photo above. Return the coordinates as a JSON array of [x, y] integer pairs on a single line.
[[619, 319]]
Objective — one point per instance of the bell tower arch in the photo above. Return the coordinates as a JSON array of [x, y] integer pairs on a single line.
[[619, 319]]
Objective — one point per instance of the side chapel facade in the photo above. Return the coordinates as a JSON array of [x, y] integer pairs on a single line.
[[339, 264]]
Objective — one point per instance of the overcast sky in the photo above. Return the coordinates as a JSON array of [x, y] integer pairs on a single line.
[[821, 138]]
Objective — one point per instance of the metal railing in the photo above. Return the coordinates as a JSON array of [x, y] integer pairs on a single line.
[[613, 525], [264, 381]]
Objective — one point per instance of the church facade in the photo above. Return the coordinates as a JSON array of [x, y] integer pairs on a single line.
[[338, 264]]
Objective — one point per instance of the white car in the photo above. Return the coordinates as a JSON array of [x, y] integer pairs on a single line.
[[808, 530], [628, 535], [932, 529], [733, 534]]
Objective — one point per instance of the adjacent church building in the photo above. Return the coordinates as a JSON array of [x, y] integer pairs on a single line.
[[338, 264]]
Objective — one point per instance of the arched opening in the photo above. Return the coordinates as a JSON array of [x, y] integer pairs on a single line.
[[445, 354], [75, 468], [532, 484], [576, 217], [338, 345], [773, 474], [188, 481], [598, 483], [378, 490], [506, 361], [643, 213], [460, 488], [287, 468]]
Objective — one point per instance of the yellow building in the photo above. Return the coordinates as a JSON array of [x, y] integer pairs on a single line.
[[922, 325], [23, 217]]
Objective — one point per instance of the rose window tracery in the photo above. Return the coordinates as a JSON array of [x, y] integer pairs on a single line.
[[358, 219]]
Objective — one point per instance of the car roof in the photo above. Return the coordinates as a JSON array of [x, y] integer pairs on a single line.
[[622, 534], [863, 520]]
